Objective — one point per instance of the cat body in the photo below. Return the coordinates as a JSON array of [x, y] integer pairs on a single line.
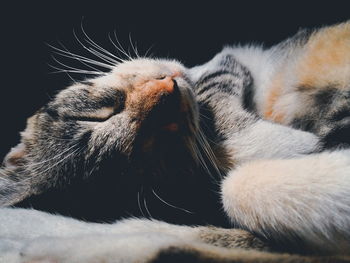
[[278, 184]]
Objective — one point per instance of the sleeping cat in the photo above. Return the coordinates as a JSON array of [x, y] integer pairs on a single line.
[[156, 120]]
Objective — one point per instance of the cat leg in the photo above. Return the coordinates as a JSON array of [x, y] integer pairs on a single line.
[[221, 85], [265, 140], [32, 236], [148, 248], [302, 199], [27, 224], [41, 237]]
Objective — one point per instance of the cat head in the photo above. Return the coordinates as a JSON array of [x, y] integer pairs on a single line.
[[140, 114]]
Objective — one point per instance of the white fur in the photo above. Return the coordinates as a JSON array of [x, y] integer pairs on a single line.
[[38, 235], [29, 223], [99, 248], [264, 140]]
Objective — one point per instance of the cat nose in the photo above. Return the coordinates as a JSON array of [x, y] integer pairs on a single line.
[[153, 90], [162, 92], [165, 84], [156, 101]]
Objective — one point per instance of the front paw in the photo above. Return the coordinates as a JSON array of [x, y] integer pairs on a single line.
[[231, 238]]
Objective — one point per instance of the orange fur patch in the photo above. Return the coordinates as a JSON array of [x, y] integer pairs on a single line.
[[326, 60], [273, 96], [323, 62]]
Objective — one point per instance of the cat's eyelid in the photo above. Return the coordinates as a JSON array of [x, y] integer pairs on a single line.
[[104, 112], [161, 77], [99, 115]]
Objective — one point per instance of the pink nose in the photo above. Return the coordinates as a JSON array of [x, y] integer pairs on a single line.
[[160, 85], [146, 95]]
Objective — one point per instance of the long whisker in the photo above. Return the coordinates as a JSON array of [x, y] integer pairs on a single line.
[[168, 204], [148, 50], [60, 161], [106, 55], [139, 204], [83, 60], [200, 157], [120, 47], [145, 205], [87, 72], [50, 159], [103, 57], [111, 62], [68, 54], [67, 67], [133, 47], [208, 150], [69, 76], [93, 62], [94, 44]]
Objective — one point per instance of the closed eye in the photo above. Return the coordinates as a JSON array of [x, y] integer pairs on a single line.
[[99, 115], [83, 118]]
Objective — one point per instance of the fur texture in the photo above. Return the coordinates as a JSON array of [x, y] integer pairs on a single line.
[[217, 120]]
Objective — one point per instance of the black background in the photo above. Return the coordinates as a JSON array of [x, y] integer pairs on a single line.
[[191, 32]]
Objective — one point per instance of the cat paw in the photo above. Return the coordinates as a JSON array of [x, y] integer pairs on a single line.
[[231, 238]]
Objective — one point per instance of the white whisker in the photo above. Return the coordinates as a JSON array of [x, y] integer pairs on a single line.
[[207, 148], [108, 57], [67, 67], [48, 160], [103, 57], [133, 47], [145, 205], [201, 158], [168, 204], [139, 204], [68, 54], [69, 76], [82, 59], [94, 44], [111, 62], [148, 50], [61, 160], [120, 48], [87, 72]]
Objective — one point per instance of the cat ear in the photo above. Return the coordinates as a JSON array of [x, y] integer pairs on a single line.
[[12, 188], [15, 157], [14, 183]]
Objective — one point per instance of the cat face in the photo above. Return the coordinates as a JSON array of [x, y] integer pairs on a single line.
[[143, 109]]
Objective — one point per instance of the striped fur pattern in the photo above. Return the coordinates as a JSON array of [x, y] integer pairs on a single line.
[[260, 118]]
